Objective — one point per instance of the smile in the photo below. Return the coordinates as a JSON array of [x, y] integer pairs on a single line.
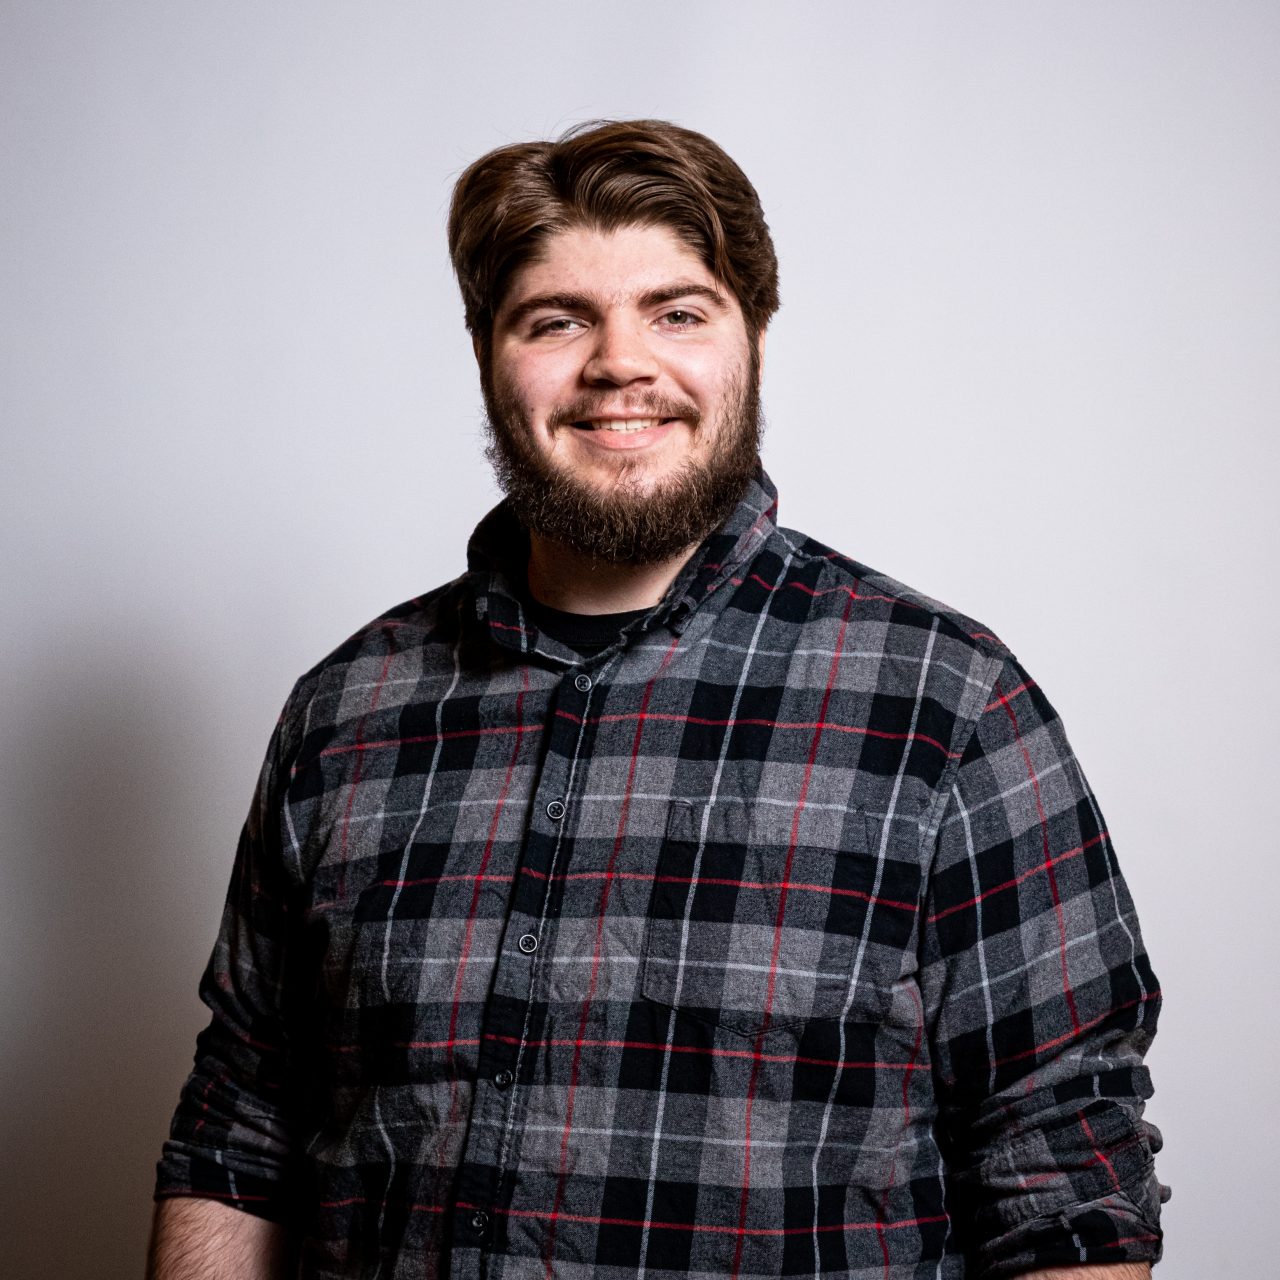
[[621, 424]]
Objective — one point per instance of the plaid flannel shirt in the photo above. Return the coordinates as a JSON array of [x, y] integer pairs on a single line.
[[783, 937]]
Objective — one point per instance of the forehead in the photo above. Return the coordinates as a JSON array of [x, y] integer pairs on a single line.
[[615, 266]]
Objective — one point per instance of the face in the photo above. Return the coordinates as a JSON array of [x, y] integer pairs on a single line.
[[623, 395]]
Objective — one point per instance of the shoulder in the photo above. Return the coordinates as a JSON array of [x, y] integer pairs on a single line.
[[898, 653], [376, 665], [871, 595]]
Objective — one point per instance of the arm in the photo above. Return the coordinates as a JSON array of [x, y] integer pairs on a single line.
[[194, 1239], [1041, 1004], [1123, 1271], [232, 1144]]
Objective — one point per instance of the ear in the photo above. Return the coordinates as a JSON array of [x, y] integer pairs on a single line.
[[760, 339]]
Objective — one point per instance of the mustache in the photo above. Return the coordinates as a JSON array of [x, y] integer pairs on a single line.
[[646, 405]]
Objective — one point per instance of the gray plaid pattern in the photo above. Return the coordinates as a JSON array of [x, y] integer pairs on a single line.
[[782, 937]]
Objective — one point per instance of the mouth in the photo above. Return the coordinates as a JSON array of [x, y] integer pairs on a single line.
[[621, 426]]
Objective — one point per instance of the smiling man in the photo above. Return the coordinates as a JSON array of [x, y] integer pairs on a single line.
[[669, 894]]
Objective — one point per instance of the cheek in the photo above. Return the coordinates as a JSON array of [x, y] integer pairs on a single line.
[[713, 384], [537, 385], [708, 371]]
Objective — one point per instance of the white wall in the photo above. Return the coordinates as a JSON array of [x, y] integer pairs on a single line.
[[1027, 361]]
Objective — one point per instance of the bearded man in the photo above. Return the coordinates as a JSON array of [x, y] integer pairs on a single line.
[[668, 894]]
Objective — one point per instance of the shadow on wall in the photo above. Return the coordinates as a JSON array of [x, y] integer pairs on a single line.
[[104, 940]]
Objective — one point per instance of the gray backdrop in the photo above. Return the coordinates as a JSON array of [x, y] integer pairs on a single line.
[[1027, 361]]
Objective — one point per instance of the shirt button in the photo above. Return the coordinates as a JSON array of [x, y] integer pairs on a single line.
[[528, 943], [479, 1220], [503, 1079], [555, 810], [582, 683]]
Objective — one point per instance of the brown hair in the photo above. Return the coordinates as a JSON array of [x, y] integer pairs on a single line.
[[604, 175]]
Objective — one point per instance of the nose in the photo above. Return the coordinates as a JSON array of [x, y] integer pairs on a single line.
[[620, 355]]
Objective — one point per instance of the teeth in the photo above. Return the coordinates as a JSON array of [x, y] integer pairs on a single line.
[[626, 424]]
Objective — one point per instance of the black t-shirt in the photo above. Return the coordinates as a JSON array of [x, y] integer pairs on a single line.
[[588, 633]]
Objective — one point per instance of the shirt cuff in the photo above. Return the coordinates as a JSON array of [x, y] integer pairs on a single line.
[[188, 1174], [1094, 1203]]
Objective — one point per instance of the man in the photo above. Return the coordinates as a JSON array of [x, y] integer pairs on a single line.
[[668, 894]]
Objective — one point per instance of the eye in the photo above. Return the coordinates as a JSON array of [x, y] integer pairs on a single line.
[[556, 324], [681, 319]]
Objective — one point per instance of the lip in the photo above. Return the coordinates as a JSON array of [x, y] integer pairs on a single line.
[[624, 440]]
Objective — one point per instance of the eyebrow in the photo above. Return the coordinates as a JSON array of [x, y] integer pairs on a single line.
[[587, 302]]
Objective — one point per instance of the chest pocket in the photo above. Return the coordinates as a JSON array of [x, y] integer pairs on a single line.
[[758, 923]]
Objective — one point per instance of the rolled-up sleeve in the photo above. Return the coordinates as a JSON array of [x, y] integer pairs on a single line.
[[231, 1138], [1042, 1004]]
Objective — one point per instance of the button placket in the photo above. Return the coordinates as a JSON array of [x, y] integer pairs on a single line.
[[533, 909]]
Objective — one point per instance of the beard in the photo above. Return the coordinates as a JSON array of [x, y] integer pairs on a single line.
[[627, 523]]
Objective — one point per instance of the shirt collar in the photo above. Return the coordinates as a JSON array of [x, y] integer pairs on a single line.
[[498, 553]]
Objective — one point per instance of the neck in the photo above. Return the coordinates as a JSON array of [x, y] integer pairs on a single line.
[[566, 580]]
